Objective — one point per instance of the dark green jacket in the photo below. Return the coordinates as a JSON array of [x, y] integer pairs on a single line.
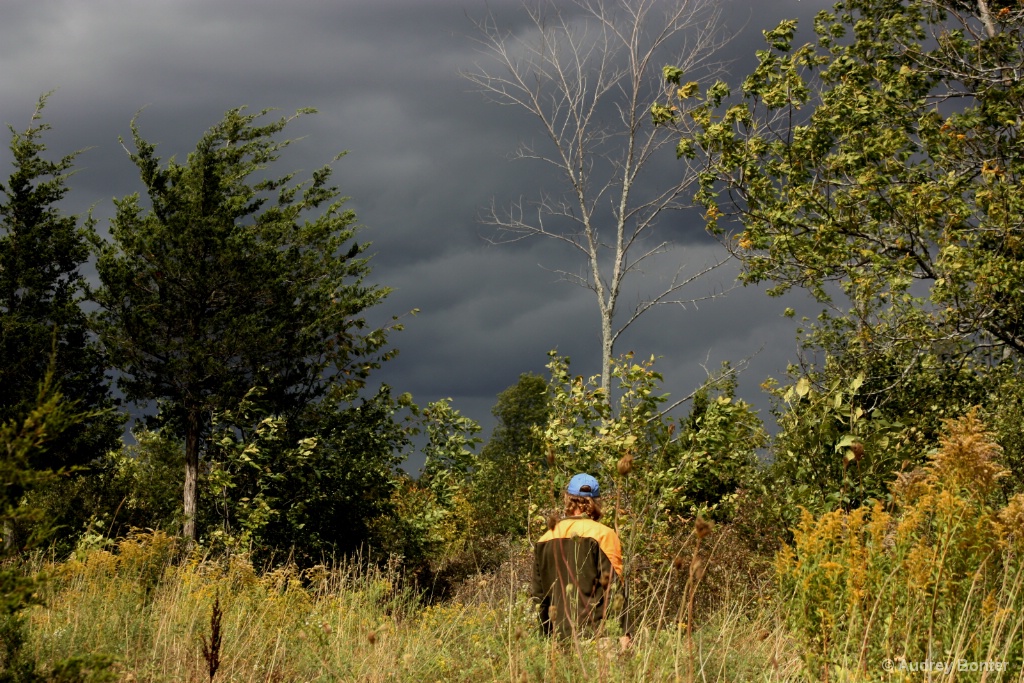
[[577, 577]]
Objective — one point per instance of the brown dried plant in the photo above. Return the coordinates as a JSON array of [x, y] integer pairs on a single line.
[[211, 647]]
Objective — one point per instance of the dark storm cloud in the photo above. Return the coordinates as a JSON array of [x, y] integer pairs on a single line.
[[426, 156]]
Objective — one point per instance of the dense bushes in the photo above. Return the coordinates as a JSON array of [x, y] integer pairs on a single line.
[[935, 576]]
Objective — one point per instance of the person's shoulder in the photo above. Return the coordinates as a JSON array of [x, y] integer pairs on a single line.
[[594, 529], [578, 526], [609, 531]]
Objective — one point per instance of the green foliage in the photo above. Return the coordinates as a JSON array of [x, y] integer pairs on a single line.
[[880, 170], [846, 428], [42, 325], [585, 434], [851, 179], [450, 463], [660, 472], [21, 440], [1003, 411], [714, 457], [143, 484], [233, 278], [311, 488], [936, 576], [832, 450], [435, 527], [137, 486], [512, 459]]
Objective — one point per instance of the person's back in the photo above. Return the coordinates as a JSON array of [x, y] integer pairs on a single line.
[[577, 571]]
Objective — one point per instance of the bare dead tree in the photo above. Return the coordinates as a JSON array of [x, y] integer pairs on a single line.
[[588, 71]]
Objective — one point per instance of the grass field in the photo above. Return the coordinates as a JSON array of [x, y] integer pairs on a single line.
[[357, 623], [926, 587]]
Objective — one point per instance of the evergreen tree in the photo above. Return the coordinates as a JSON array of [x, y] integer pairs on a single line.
[[231, 279], [41, 316]]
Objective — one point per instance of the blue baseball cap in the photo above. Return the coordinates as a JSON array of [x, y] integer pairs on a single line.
[[583, 485]]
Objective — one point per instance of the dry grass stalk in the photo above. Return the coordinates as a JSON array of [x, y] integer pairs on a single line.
[[211, 647]]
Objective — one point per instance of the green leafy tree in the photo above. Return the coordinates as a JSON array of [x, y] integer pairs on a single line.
[[313, 488], [135, 486], [880, 169], [450, 458], [714, 456], [658, 469], [512, 460], [43, 327], [450, 466], [233, 278], [432, 525]]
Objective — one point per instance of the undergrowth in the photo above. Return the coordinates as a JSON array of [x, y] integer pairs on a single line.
[[909, 589], [151, 613]]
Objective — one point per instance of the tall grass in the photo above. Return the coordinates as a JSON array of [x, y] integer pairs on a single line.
[[934, 577], [356, 622]]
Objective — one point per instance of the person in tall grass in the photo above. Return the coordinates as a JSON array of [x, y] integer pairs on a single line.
[[577, 568]]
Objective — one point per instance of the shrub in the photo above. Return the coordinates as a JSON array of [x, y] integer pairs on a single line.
[[936, 577], [658, 475]]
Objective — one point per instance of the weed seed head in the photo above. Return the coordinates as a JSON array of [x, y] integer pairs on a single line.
[[372, 637], [551, 455], [702, 527], [858, 451], [552, 521], [677, 563], [625, 465]]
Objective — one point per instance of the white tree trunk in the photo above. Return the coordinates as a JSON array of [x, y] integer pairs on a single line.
[[191, 477]]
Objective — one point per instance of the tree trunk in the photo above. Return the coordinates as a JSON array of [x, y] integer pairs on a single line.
[[607, 341], [191, 475]]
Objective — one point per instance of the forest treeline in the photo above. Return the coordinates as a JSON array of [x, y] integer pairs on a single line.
[[878, 167]]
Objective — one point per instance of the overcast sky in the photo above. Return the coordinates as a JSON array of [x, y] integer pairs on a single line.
[[427, 155]]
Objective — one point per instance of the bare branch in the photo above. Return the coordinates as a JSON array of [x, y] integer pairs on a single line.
[[667, 295], [588, 72], [714, 379]]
